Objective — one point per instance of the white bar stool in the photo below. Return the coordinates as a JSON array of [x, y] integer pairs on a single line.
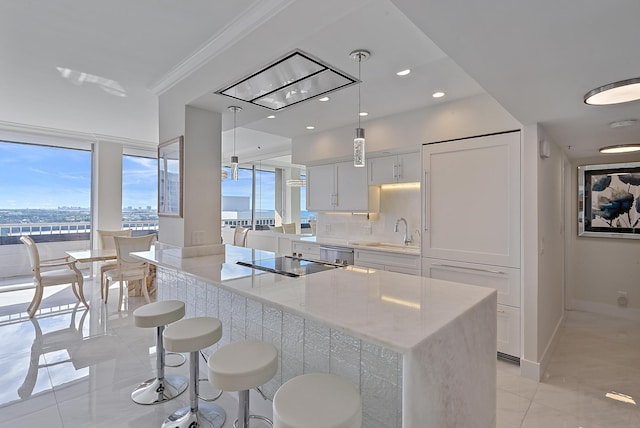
[[317, 400], [161, 388], [192, 335], [241, 366]]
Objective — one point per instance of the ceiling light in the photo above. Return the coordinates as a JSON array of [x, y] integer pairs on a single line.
[[296, 182], [622, 148], [273, 116], [311, 127], [620, 397], [234, 158], [438, 94], [364, 113], [614, 93], [323, 99], [623, 123], [359, 141], [289, 80], [403, 72]]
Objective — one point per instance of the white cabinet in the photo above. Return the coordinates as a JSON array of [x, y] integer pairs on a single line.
[[307, 250], [340, 187], [392, 262], [509, 330], [404, 168], [471, 200], [471, 221], [503, 279]]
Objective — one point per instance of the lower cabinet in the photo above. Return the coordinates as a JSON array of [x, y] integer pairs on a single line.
[[306, 249], [503, 279], [509, 330], [392, 262]]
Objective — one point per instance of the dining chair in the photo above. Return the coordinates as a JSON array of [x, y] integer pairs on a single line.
[[43, 276], [240, 236], [289, 227], [128, 267], [107, 243]]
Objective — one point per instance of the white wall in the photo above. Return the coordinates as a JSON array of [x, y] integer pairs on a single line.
[[56, 103], [551, 241], [408, 131], [600, 267]]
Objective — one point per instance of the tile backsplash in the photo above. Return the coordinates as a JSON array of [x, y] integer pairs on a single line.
[[394, 203]]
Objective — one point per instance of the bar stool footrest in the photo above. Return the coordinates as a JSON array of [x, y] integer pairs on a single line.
[[262, 418], [184, 359], [207, 416]]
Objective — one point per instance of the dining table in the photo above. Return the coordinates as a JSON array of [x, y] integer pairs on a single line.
[[109, 254], [93, 255]]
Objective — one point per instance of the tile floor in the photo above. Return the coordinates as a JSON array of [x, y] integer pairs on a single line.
[[72, 367]]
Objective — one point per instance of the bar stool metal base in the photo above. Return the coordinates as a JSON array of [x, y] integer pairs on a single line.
[[260, 418], [207, 416], [155, 391]]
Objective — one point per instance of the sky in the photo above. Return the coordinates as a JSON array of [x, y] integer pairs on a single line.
[[41, 177]]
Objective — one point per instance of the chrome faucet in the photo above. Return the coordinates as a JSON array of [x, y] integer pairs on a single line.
[[407, 238]]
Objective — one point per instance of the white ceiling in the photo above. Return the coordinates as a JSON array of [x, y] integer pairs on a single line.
[[537, 58]]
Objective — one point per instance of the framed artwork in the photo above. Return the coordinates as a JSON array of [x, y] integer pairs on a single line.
[[609, 200], [170, 170]]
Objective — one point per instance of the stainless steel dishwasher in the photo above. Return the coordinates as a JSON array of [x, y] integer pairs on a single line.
[[339, 255]]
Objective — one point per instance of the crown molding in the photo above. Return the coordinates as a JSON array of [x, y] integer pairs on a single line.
[[258, 13], [13, 129]]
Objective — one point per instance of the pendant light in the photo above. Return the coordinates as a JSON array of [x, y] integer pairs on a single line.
[[234, 158], [359, 141]]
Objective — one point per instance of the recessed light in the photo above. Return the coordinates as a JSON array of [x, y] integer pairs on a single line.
[[622, 148], [311, 127], [403, 72], [273, 116], [438, 94], [623, 123], [364, 113], [614, 93], [323, 99]]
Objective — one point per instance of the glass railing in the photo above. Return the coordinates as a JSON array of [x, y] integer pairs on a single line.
[[52, 232]]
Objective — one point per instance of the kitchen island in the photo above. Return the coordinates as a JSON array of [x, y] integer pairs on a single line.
[[421, 351]]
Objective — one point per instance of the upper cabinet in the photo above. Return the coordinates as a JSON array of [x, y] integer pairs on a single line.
[[340, 187], [471, 200], [404, 168]]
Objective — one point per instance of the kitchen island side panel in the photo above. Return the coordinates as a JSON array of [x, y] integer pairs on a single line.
[[467, 397]]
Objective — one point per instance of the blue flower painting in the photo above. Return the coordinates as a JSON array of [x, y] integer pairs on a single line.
[[615, 201]]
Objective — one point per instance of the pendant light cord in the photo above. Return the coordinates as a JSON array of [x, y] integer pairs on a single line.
[[235, 110], [359, 83]]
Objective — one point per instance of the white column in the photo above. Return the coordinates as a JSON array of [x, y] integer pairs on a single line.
[[200, 224], [106, 205]]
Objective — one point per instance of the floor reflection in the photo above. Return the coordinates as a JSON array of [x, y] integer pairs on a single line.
[[54, 348]]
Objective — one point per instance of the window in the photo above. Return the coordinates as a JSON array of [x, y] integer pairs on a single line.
[[44, 192], [139, 193], [237, 202]]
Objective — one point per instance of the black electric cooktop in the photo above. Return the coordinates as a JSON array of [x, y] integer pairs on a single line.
[[289, 266]]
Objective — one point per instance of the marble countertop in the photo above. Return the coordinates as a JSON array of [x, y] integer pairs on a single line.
[[394, 310], [387, 247]]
